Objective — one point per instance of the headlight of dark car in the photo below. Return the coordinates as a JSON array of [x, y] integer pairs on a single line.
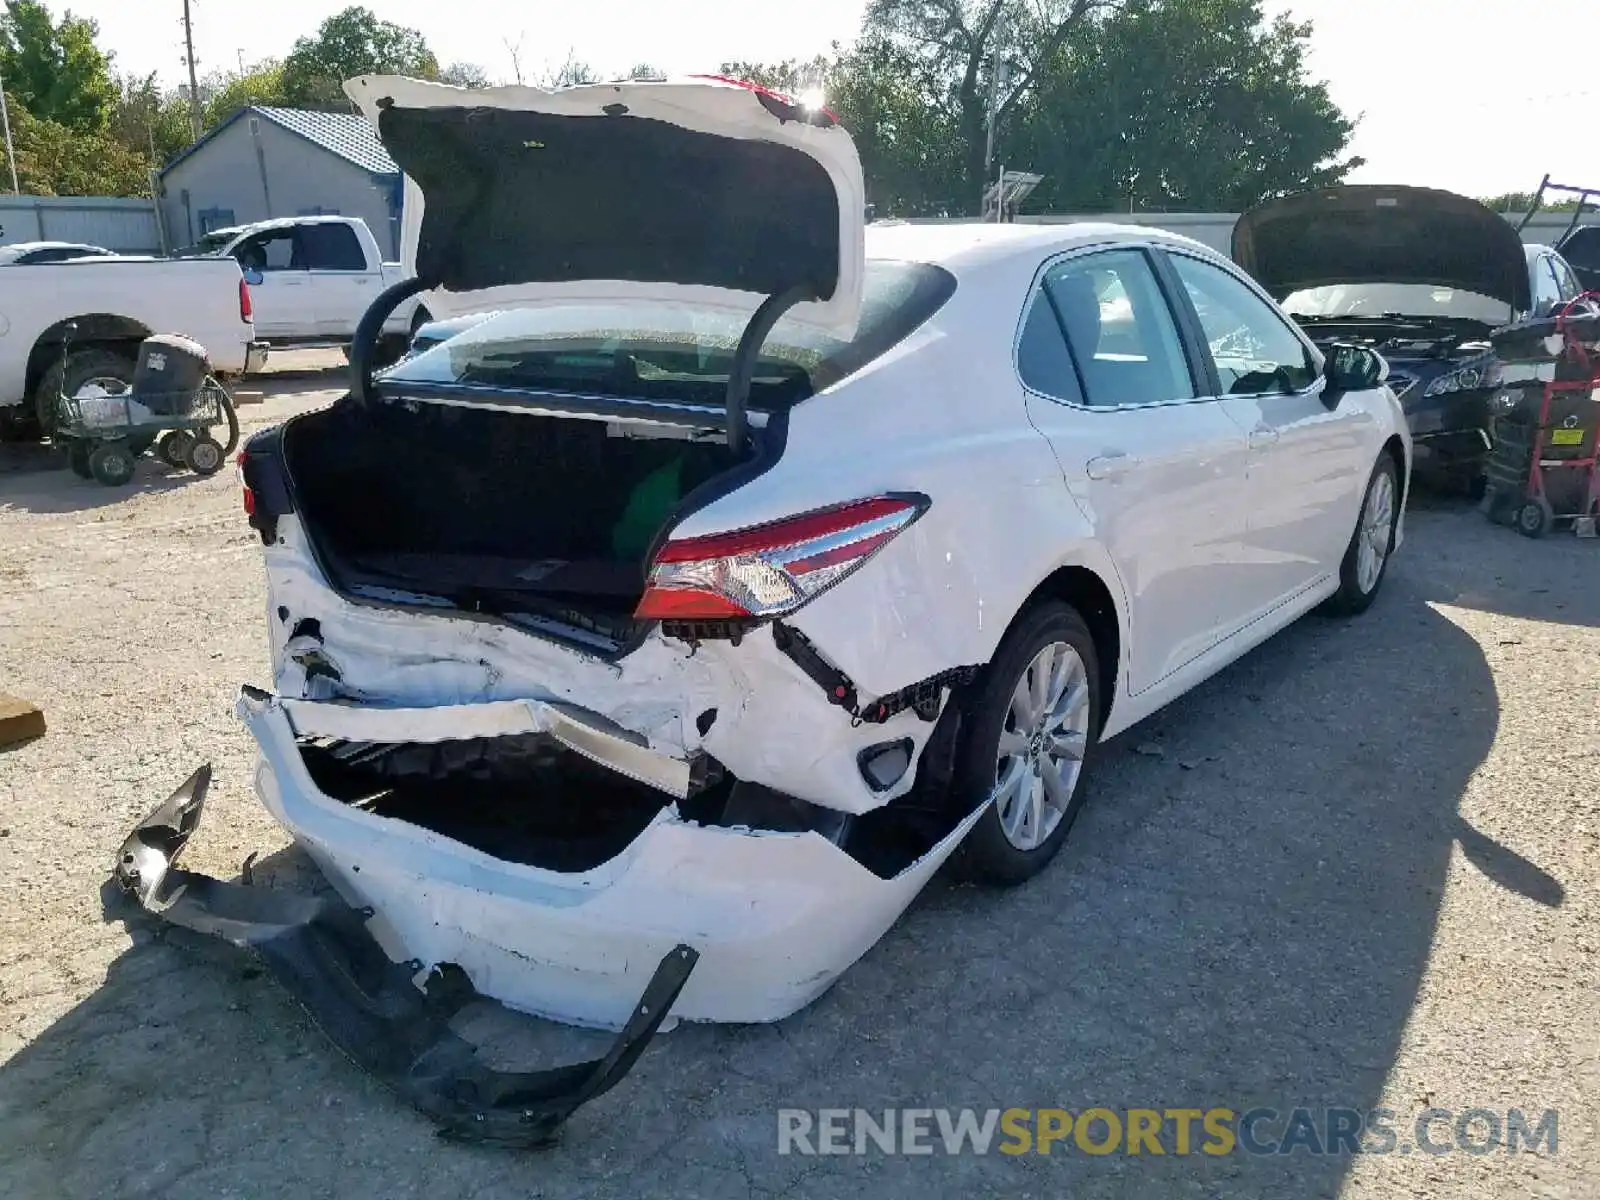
[[1469, 377]]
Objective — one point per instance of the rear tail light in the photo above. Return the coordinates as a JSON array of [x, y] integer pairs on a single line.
[[246, 310], [249, 496], [771, 570]]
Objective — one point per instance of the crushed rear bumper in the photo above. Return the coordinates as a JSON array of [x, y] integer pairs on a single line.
[[319, 949]]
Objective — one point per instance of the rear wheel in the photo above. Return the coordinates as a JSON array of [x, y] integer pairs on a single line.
[[105, 371], [1027, 741], [1366, 560]]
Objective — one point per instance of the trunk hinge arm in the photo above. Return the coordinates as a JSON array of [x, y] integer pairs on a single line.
[[751, 340], [371, 328]]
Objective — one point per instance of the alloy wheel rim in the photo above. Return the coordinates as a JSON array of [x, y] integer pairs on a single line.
[[1376, 532], [1042, 743]]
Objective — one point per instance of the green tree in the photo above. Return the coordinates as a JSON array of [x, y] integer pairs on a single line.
[[353, 42], [1180, 104], [54, 160], [1520, 202], [965, 57], [465, 74], [54, 69], [148, 122], [227, 93]]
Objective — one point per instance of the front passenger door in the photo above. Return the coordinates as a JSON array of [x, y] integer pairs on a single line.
[[1308, 464]]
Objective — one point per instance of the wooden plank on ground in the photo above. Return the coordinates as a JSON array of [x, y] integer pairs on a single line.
[[19, 720]]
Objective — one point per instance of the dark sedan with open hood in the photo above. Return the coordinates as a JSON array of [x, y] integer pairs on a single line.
[[1417, 274]]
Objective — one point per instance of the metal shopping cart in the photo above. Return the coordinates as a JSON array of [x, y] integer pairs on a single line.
[[175, 404], [1545, 466]]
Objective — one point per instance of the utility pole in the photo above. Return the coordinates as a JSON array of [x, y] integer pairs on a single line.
[[195, 122], [11, 155]]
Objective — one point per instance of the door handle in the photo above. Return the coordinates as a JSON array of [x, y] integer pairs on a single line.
[[1109, 466], [1263, 437]]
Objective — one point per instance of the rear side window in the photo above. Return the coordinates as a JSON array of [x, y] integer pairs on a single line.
[[681, 353], [1124, 343], [331, 248]]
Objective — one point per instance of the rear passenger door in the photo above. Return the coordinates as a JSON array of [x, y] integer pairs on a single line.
[[342, 285], [1158, 467], [1308, 463]]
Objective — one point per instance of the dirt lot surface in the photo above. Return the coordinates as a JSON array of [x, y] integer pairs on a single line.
[[1361, 868]]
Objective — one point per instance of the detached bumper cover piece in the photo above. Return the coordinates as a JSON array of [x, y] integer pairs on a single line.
[[320, 950]]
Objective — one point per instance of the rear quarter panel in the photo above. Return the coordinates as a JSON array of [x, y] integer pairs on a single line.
[[195, 297], [942, 414]]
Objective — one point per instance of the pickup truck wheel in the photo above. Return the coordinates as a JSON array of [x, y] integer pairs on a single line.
[[110, 371]]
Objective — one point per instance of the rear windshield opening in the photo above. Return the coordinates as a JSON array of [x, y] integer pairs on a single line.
[[680, 353]]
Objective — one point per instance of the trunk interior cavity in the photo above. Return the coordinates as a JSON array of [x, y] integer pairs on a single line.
[[510, 514]]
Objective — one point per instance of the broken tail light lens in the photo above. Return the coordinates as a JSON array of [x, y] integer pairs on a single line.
[[770, 570]]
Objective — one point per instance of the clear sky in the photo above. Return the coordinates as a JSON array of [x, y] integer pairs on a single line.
[[1451, 94]]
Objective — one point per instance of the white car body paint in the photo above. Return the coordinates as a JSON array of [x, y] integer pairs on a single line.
[[1216, 540]]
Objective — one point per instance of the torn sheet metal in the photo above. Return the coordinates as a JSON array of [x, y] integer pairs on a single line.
[[457, 663], [320, 951], [776, 917]]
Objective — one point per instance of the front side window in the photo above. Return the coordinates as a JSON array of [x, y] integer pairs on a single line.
[[1254, 350], [1566, 280], [1546, 291], [269, 252], [1124, 343]]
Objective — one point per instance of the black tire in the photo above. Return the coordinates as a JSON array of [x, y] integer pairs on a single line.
[[78, 459], [65, 378], [111, 464], [205, 455], [1535, 518], [1352, 599], [988, 855], [173, 448]]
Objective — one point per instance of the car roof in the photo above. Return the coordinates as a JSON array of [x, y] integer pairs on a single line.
[[31, 247], [970, 245]]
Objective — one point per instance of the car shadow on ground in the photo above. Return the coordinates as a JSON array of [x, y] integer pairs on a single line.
[[1241, 920]]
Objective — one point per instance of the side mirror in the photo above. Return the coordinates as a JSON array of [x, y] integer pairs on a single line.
[[253, 276], [1352, 369]]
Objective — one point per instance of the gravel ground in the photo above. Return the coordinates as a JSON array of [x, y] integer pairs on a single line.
[[1360, 868]]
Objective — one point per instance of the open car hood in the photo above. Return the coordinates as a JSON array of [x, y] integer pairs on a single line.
[[514, 194], [1369, 234]]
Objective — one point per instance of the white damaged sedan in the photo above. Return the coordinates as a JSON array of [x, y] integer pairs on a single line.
[[749, 563]]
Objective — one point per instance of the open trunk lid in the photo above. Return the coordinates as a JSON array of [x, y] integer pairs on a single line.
[[1371, 234], [514, 194]]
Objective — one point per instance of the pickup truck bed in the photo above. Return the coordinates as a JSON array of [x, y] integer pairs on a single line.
[[110, 305]]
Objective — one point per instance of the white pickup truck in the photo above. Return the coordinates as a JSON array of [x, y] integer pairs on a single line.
[[110, 305], [311, 278]]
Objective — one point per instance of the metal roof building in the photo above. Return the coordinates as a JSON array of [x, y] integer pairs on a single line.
[[281, 162]]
